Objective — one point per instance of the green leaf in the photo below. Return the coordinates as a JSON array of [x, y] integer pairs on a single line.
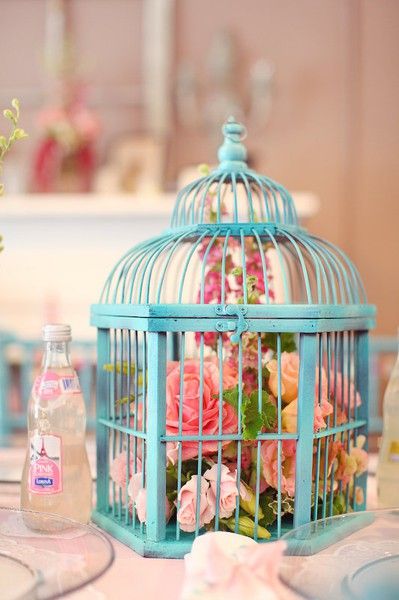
[[125, 399], [237, 271], [3, 142], [269, 413], [265, 502], [231, 397], [288, 343], [252, 418], [19, 134], [339, 504], [110, 368], [10, 115], [15, 105]]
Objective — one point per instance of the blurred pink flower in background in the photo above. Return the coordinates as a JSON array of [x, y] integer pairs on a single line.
[[341, 384]]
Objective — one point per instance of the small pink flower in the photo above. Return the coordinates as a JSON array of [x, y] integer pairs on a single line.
[[269, 455], [246, 458], [186, 515], [118, 468], [342, 386], [228, 490], [138, 495]]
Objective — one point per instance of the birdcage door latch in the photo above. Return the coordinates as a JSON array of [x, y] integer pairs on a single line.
[[238, 326]]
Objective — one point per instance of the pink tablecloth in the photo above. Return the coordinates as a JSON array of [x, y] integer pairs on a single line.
[[133, 577]]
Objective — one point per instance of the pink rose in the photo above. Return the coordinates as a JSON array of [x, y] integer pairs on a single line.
[[342, 383], [228, 491], [138, 495], [118, 468], [191, 402], [269, 455], [186, 515]]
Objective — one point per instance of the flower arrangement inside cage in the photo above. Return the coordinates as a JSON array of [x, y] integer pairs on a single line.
[[233, 367]]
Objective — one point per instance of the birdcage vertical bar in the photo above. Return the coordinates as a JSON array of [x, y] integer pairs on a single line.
[[156, 425], [102, 432], [304, 452], [361, 352]]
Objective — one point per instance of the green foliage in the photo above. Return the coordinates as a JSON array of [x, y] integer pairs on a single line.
[[339, 504], [16, 134], [265, 502], [246, 526], [118, 367], [288, 343], [253, 417]]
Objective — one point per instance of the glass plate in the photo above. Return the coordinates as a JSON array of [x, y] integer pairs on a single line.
[[349, 557], [45, 556]]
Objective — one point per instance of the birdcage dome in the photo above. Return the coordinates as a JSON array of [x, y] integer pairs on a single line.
[[234, 237]]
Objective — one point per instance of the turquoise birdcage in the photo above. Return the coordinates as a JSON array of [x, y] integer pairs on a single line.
[[232, 385]]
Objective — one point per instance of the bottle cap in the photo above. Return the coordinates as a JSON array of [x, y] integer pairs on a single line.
[[57, 333]]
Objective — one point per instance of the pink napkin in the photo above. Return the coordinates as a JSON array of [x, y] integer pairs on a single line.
[[228, 566]]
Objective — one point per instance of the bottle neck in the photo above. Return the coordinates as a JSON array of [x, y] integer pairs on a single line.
[[56, 355]]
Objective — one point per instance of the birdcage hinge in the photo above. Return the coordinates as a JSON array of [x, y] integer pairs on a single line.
[[238, 326]]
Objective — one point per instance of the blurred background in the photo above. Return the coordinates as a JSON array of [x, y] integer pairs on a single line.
[[123, 99]]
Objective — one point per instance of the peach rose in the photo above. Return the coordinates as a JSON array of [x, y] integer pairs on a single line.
[[361, 458], [192, 401], [138, 495], [359, 495], [228, 490], [289, 415], [289, 376], [269, 455], [186, 515]]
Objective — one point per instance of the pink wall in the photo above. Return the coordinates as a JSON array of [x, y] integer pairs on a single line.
[[334, 127]]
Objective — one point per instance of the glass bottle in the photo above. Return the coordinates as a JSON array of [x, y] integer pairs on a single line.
[[56, 478], [388, 460]]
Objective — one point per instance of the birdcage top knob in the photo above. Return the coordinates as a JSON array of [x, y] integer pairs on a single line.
[[232, 153]]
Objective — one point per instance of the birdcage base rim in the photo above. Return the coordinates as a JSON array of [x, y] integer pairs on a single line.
[[148, 549], [169, 548]]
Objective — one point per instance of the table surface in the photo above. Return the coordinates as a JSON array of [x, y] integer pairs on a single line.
[[155, 578]]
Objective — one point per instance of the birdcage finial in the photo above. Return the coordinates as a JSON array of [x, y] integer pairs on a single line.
[[232, 153]]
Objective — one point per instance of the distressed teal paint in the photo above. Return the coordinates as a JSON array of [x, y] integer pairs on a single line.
[[155, 298], [304, 448], [102, 433], [156, 479]]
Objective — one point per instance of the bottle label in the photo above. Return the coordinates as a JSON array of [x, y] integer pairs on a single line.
[[393, 455], [49, 385], [45, 471]]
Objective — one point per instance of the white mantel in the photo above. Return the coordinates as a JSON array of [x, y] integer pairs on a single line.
[[60, 249]]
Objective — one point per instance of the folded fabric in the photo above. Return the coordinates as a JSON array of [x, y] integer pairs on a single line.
[[228, 566]]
